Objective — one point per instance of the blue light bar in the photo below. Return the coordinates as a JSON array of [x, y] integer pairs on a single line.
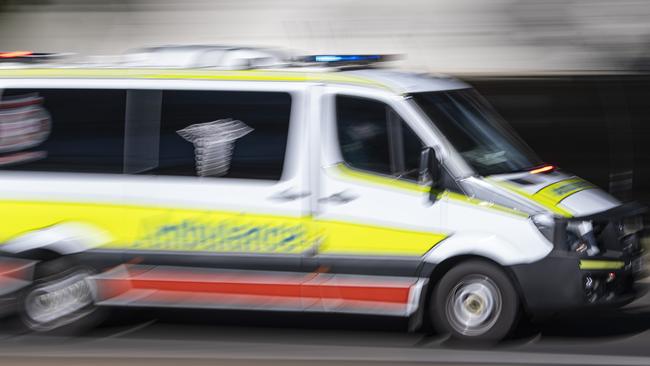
[[346, 59]]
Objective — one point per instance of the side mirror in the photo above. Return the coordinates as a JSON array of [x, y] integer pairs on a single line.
[[430, 171]]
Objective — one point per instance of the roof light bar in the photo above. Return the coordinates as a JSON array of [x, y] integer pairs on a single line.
[[346, 59]]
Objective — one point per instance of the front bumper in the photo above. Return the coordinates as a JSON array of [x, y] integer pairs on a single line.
[[559, 282]]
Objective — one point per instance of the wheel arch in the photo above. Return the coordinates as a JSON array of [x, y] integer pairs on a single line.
[[39, 254], [61, 239]]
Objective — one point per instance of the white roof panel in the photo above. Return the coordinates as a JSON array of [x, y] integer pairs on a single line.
[[409, 82]]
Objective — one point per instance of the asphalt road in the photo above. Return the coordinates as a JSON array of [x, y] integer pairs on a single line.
[[157, 337]]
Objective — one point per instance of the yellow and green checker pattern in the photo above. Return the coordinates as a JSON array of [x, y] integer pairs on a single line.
[[552, 195]]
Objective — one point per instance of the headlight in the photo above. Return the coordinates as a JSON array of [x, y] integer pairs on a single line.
[[546, 225]]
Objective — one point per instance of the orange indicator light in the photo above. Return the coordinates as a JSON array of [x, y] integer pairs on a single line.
[[544, 169]]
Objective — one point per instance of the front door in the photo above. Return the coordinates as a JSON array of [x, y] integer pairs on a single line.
[[376, 217]]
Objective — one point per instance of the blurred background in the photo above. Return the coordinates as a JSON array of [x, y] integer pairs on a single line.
[[519, 36]]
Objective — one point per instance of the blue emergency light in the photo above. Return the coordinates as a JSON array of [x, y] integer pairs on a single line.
[[346, 59]]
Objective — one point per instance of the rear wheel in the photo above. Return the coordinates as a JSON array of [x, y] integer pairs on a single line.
[[60, 299], [475, 301]]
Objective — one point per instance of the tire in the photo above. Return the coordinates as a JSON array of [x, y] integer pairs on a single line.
[[474, 301], [60, 300]]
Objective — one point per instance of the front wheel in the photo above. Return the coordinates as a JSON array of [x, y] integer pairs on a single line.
[[475, 301]]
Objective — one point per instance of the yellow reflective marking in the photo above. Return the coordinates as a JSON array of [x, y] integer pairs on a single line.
[[544, 201], [600, 264], [558, 191], [348, 238], [172, 229], [414, 187], [136, 227], [239, 75]]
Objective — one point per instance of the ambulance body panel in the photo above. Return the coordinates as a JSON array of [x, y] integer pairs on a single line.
[[347, 194]]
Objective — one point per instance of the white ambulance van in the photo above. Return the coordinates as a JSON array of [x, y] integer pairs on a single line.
[[325, 185]]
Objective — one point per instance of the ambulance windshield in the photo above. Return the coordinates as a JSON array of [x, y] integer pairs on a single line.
[[477, 132]]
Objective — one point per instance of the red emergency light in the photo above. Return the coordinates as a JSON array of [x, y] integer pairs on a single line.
[[14, 54]]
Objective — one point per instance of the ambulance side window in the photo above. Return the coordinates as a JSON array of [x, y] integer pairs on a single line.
[[62, 130], [374, 138], [224, 134]]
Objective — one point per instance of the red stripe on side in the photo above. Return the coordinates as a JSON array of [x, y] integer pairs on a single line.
[[242, 288], [364, 289], [397, 295]]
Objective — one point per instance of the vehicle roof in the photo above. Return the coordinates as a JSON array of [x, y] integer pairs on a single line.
[[203, 56], [410, 82], [399, 82]]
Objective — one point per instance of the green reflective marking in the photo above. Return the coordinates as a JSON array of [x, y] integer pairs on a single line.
[[600, 264]]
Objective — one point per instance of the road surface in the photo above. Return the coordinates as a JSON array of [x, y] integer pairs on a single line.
[[164, 337]]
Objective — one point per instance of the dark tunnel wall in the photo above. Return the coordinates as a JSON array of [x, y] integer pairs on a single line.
[[596, 126]]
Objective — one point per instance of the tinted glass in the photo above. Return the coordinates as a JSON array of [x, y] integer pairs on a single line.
[[374, 138], [62, 130], [412, 151], [257, 154], [477, 132], [363, 134]]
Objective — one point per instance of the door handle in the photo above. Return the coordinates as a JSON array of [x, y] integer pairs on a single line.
[[339, 198], [289, 195]]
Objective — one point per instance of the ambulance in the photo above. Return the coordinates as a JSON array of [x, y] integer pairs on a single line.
[[213, 177]]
